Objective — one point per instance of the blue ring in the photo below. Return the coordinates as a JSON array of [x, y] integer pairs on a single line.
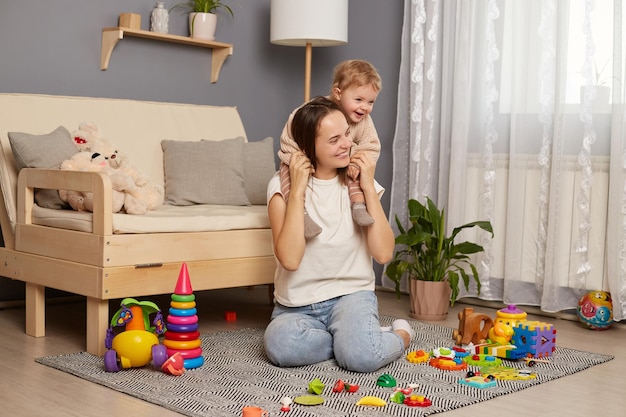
[[193, 363], [182, 328], [183, 312]]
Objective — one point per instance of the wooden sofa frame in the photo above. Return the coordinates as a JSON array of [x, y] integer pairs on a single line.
[[101, 265]]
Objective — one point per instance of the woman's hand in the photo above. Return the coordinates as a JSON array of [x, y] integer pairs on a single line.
[[367, 168], [300, 169]]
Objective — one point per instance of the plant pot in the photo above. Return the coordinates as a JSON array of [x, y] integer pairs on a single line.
[[202, 25], [603, 97], [430, 300]]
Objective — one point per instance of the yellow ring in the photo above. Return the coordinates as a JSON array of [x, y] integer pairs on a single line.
[[182, 344], [182, 305]]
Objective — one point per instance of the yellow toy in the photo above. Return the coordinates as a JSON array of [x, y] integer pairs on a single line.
[[371, 400], [418, 356], [138, 344]]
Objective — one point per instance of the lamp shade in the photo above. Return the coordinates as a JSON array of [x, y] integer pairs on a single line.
[[314, 22]]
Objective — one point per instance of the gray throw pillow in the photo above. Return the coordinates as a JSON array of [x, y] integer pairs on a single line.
[[259, 166], [204, 172], [45, 151]]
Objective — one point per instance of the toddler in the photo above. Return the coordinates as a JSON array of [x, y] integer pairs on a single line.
[[355, 87]]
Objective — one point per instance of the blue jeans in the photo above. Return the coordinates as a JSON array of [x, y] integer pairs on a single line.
[[346, 328]]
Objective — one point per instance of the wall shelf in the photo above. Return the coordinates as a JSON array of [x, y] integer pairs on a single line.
[[111, 36]]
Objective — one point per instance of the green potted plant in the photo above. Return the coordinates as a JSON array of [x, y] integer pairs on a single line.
[[427, 255], [202, 18]]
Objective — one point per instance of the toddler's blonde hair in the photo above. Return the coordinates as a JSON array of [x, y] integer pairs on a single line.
[[355, 72]]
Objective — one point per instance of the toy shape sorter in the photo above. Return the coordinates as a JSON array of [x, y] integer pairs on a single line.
[[514, 337], [536, 338]]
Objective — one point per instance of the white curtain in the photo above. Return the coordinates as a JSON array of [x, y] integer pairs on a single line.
[[513, 111]]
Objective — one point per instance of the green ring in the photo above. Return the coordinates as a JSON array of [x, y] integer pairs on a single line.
[[183, 298]]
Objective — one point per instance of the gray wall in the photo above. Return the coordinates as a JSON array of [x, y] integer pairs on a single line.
[[57, 51]]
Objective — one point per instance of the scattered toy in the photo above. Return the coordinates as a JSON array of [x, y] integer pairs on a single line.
[[309, 400], [508, 373], [418, 356], [479, 381], [417, 401], [372, 400], [448, 364], [316, 386], [534, 361], [397, 397], [285, 403], [405, 391], [482, 360], [174, 365], [443, 352], [341, 386], [386, 380]]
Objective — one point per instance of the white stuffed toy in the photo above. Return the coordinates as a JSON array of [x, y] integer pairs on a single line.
[[83, 200], [140, 194]]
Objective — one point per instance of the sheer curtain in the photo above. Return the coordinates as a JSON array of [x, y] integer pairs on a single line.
[[514, 112]]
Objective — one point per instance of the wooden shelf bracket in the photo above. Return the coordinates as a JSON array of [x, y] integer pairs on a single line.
[[111, 36]]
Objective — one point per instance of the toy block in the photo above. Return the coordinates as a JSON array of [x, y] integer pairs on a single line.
[[537, 338]]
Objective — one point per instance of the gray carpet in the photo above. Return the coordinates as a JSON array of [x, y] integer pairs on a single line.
[[236, 373]]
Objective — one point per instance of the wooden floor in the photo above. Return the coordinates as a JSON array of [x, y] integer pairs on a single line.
[[28, 389]]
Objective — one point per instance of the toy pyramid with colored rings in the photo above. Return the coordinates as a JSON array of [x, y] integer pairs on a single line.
[[182, 333]]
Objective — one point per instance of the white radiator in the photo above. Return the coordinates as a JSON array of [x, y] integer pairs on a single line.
[[516, 246]]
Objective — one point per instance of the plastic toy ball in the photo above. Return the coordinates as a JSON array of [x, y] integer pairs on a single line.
[[595, 310]]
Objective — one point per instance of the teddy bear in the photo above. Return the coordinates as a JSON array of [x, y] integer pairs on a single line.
[[140, 194], [83, 200]]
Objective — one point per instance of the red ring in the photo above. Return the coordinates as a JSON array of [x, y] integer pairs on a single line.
[[182, 336]]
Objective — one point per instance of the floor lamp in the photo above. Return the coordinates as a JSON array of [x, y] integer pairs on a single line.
[[309, 23]]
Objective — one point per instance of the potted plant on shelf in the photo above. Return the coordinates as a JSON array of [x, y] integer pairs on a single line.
[[433, 261], [202, 17]]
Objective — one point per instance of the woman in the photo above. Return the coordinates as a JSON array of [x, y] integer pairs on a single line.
[[326, 306]]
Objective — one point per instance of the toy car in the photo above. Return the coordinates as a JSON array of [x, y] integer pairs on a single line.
[[138, 344]]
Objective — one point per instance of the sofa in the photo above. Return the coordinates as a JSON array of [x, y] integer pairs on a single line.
[[214, 217]]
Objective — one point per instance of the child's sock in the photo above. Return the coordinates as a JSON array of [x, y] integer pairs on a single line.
[[385, 328], [401, 324], [311, 229], [360, 215]]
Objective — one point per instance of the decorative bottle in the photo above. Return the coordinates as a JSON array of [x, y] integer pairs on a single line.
[[159, 19]]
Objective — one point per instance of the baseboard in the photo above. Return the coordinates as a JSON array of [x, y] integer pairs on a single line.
[[564, 315]]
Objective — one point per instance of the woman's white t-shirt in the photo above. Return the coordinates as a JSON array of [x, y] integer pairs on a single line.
[[336, 262]]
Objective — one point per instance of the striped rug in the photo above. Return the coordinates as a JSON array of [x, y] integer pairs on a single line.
[[237, 373]]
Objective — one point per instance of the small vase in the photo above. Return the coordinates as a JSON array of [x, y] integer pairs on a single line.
[[202, 25], [159, 19]]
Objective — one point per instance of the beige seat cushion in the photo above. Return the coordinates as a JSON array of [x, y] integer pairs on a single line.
[[165, 218]]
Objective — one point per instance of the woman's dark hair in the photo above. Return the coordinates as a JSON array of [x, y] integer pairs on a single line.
[[305, 124]]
